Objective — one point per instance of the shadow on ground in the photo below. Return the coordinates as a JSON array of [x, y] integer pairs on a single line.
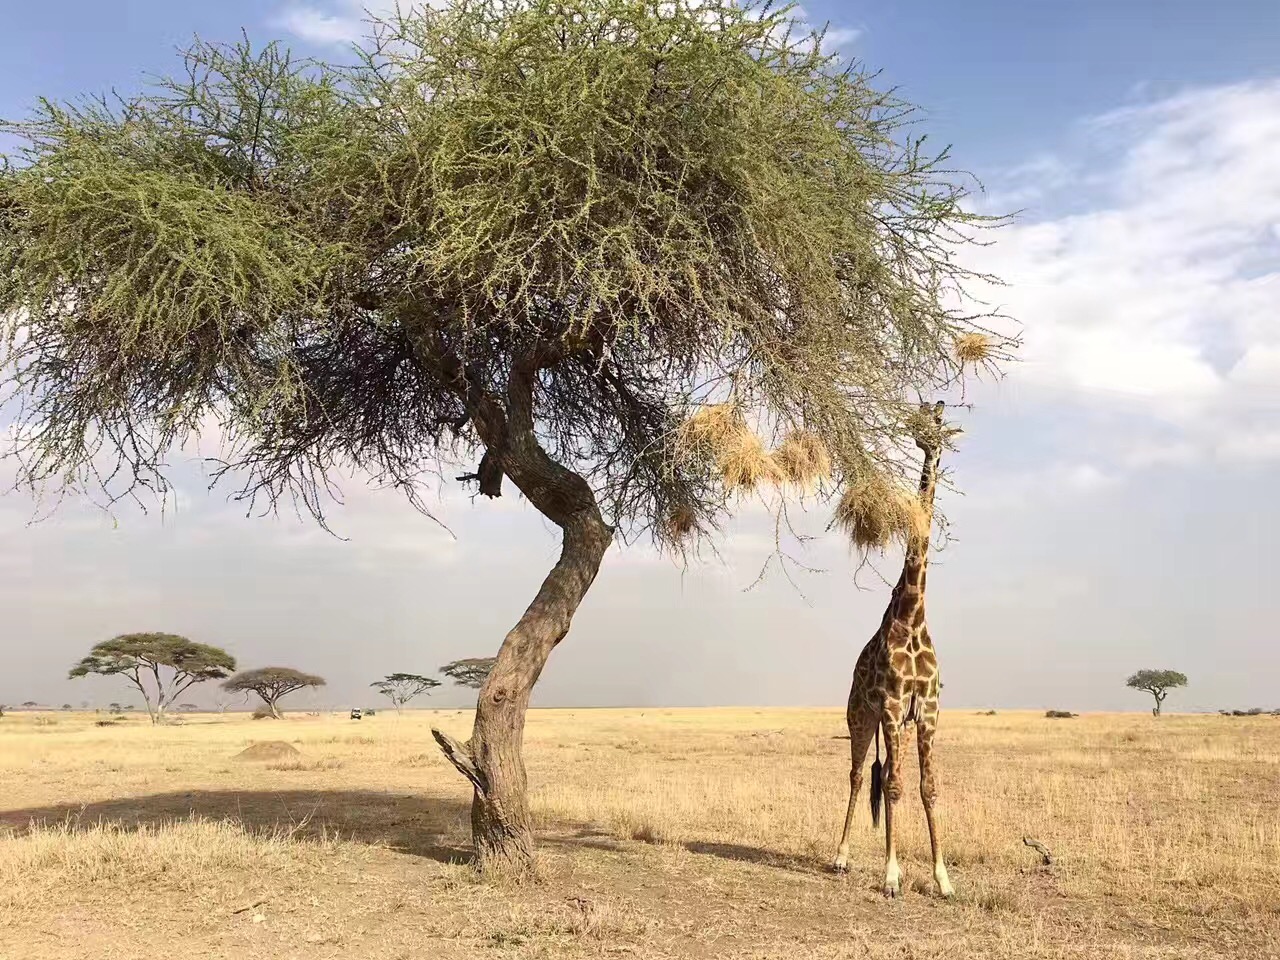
[[596, 839], [435, 828], [431, 827]]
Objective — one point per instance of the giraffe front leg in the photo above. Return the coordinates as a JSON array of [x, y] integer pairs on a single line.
[[929, 794], [892, 792]]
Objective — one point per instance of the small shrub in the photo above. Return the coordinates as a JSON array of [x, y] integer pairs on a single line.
[[646, 833], [1060, 714], [986, 713], [263, 713], [327, 763]]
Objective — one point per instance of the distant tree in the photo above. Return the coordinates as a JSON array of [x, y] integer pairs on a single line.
[[188, 707], [161, 665], [29, 704], [400, 688], [469, 672], [1158, 683], [84, 704], [272, 683], [115, 708], [66, 706], [1, 709]]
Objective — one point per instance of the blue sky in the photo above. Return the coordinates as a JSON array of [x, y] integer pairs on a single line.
[[1114, 511], [998, 78]]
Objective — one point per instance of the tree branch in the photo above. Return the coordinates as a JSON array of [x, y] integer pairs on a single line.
[[459, 754]]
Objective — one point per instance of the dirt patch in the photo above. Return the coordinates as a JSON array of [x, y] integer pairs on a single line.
[[265, 750]]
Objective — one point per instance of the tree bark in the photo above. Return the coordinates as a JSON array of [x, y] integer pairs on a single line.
[[493, 759]]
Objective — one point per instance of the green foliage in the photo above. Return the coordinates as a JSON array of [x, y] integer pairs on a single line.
[[139, 657], [400, 688], [469, 672], [1158, 683], [648, 204], [272, 683], [130, 652]]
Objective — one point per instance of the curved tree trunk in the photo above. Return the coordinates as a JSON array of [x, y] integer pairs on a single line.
[[493, 758]]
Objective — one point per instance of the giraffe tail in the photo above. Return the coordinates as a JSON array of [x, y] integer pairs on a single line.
[[877, 783]]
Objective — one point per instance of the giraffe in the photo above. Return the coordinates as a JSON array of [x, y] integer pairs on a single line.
[[895, 682]]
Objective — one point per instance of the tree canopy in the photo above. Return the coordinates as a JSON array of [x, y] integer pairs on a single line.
[[400, 688], [272, 683], [604, 213], [140, 657], [1158, 683], [468, 672]]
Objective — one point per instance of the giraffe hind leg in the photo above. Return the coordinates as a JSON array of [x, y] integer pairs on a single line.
[[862, 727]]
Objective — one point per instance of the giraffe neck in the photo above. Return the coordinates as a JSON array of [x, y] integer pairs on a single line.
[[907, 604]]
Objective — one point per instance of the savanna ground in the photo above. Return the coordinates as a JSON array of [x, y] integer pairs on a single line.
[[665, 833]]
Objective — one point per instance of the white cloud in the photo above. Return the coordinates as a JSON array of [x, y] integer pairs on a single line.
[[840, 36], [1161, 298], [320, 27]]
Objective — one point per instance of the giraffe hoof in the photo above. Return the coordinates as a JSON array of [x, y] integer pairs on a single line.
[[889, 892], [841, 866]]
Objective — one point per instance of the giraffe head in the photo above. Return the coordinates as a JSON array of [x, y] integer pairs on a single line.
[[927, 428]]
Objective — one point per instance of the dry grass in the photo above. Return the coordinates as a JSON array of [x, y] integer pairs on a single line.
[[744, 464], [974, 348], [666, 833], [719, 432], [803, 459], [874, 512], [681, 522]]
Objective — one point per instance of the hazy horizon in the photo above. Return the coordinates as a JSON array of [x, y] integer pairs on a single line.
[[1110, 511]]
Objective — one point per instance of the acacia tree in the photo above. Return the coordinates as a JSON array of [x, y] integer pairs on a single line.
[[161, 665], [272, 683], [1158, 683], [400, 688], [529, 235], [469, 672]]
